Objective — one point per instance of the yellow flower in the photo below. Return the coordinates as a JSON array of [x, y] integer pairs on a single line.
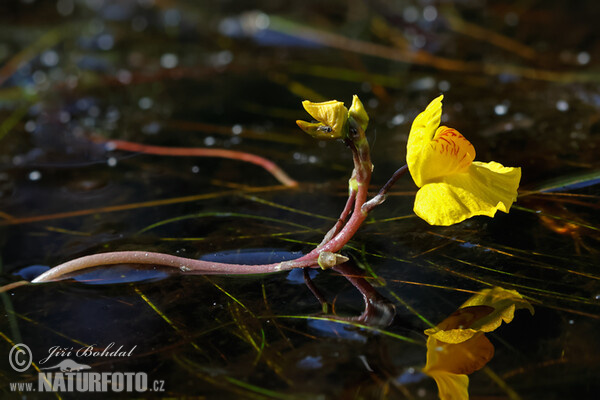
[[457, 346], [331, 118], [453, 187]]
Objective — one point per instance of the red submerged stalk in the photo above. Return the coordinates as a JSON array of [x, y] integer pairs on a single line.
[[268, 165]]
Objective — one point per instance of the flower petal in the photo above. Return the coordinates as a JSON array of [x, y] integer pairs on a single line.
[[504, 303], [482, 190], [451, 386], [358, 112], [461, 358], [421, 133], [332, 113], [457, 327], [317, 130]]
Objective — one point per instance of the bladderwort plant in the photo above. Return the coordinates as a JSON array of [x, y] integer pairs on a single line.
[[453, 187]]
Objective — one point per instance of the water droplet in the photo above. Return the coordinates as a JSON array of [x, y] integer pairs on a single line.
[[35, 176], [183, 268]]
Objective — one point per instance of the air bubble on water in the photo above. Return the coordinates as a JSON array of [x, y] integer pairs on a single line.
[[169, 60], [39, 77], [105, 41], [410, 14], [145, 103], [583, 58], [195, 169], [209, 141], [261, 21], [430, 13], [444, 86], [562, 105], [236, 129], [221, 58], [65, 7], [152, 128], [30, 126], [49, 58], [139, 23], [511, 19], [124, 76], [398, 119], [111, 162], [35, 176], [172, 17], [64, 117], [500, 109], [94, 111]]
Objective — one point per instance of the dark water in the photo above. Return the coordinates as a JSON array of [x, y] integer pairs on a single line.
[[521, 81]]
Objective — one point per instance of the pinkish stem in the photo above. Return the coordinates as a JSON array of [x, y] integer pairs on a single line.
[[268, 165], [341, 235], [186, 265]]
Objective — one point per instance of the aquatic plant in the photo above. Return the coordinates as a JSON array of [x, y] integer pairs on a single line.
[[440, 160]]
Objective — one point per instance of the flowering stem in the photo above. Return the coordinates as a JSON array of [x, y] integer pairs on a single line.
[[185, 265], [381, 196], [334, 240]]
